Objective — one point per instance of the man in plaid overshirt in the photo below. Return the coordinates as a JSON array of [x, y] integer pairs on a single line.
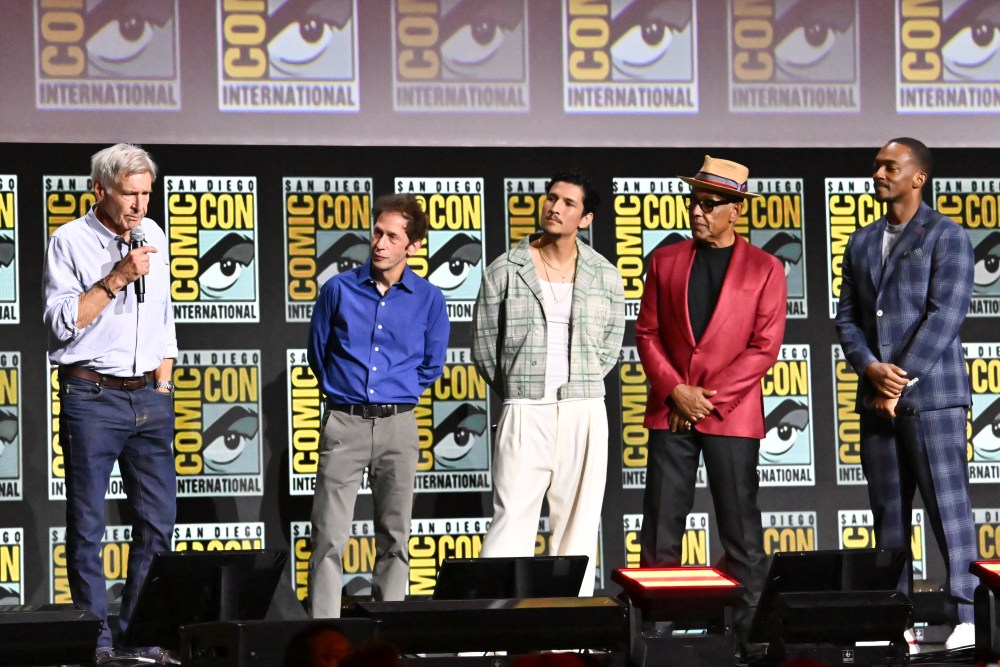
[[547, 327]]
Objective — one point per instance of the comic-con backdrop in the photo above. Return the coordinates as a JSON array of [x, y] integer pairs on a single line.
[[253, 233], [511, 72]]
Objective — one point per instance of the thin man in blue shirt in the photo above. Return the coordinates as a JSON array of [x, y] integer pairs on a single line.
[[378, 338]]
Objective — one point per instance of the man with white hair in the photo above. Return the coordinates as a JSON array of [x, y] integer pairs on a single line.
[[111, 335]]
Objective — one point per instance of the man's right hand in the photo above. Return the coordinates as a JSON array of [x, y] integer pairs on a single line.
[[692, 402], [888, 379], [134, 265]]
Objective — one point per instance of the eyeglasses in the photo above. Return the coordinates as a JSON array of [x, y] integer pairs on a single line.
[[707, 205]]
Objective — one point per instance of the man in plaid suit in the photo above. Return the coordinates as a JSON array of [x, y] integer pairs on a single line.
[[907, 283]]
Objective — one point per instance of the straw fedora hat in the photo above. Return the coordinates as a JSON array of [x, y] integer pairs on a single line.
[[723, 177]]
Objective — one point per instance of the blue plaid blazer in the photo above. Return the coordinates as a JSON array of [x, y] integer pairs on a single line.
[[910, 312]]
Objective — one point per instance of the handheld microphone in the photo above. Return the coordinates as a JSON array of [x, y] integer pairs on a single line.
[[138, 239]]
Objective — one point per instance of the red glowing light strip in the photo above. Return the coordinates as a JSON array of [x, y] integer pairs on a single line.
[[679, 578]]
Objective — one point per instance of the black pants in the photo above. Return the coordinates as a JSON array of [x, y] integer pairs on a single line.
[[731, 464]]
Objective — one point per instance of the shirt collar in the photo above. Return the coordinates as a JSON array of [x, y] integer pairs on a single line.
[[405, 280]]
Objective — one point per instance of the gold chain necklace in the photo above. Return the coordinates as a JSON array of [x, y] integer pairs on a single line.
[[552, 288], [572, 262]]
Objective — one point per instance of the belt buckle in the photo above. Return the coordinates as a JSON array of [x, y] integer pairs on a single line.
[[370, 410]]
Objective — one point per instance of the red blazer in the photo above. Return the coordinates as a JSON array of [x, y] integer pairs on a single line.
[[740, 344]]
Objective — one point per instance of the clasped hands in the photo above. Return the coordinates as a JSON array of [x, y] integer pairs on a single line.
[[689, 404], [889, 381]]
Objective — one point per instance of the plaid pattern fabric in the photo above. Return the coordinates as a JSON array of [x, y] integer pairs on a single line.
[[910, 312], [509, 327]]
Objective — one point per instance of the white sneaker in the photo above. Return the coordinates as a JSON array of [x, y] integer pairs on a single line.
[[911, 641], [963, 635]]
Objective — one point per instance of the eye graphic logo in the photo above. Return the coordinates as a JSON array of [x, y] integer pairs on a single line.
[[211, 224], [773, 223], [11, 566], [948, 56], [217, 444], [11, 467], [650, 213], [850, 205], [983, 363], [453, 429], [786, 452], [974, 204], [451, 256], [10, 299], [288, 55], [793, 56], [630, 56], [464, 55], [107, 54]]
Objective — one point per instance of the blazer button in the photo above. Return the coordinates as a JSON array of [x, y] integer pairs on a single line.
[[879, 312]]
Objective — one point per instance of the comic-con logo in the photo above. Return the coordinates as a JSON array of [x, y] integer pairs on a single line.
[[115, 547], [524, 199], [327, 231], [630, 56], [105, 54], [850, 205], [288, 55], [789, 531], [10, 300], [635, 436], [217, 440], [650, 213], [987, 523], [238, 536], [857, 531], [948, 58], [974, 203], [983, 430], [846, 420], [66, 198], [451, 257], [773, 223], [11, 566], [212, 227], [694, 542], [786, 452], [453, 429], [57, 459], [305, 422], [11, 451], [794, 56], [300, 548], [463, 55]]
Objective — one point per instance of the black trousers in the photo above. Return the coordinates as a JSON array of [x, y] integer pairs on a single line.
[[731, 464]]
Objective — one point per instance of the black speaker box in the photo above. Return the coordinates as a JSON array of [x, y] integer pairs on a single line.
[[47, 635], [262, 643]]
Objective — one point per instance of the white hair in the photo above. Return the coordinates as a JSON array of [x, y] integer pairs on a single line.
[[120, 160]]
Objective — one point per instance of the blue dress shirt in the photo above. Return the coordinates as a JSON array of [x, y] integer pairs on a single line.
[[367, 347]]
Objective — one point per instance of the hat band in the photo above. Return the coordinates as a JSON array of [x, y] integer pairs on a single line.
[[720, 181]]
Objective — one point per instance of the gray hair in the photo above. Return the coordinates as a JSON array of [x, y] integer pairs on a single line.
[[121, 159]]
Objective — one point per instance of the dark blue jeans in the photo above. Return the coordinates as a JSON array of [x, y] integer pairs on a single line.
[[98, 426]]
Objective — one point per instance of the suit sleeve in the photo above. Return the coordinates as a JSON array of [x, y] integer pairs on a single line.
[[948, 296], [660, 371], [849, 329], [487, 328], [745, 371]]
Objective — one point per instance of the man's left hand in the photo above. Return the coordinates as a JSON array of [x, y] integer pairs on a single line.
[[886, 407]]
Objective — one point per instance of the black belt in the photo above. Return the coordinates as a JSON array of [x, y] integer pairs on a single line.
[[112, 381], [372, 410]]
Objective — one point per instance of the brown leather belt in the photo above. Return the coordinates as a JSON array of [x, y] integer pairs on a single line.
[[110, 381]]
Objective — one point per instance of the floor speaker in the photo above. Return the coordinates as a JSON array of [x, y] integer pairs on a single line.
[[266, 643], [54, 634]]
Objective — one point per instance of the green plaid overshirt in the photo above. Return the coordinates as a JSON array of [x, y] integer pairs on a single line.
[[509, 327]]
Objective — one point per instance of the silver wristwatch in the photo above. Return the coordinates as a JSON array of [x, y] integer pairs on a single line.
[[165, 384]]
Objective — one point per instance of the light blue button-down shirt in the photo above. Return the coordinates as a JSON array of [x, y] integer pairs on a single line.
[[127, 338]]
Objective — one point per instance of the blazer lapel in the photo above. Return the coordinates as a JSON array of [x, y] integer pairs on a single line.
[[911, 236], [681, 276], [875, 253]]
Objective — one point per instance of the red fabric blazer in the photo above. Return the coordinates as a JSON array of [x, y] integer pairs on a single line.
[[740, 344]]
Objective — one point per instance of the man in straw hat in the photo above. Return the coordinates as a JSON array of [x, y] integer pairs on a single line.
[[908, 281], [710, 326]]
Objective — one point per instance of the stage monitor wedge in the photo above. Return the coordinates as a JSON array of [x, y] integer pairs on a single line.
[[509, 578], [186, 587]]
